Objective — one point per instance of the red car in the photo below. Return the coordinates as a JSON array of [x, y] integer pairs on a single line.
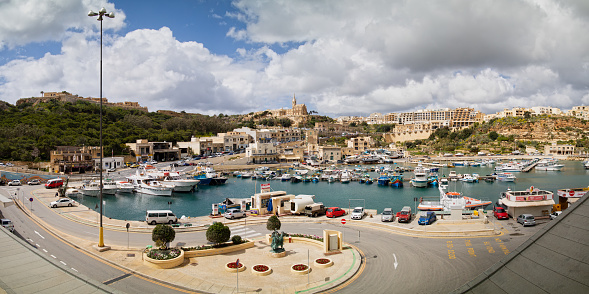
[[335, 212], [500, 212]]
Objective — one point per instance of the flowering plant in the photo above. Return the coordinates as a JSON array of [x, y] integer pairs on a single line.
[[261, 268], [204, 247], [322, 260], [234, 265], [161, 254], [312, 237], [300, 267]]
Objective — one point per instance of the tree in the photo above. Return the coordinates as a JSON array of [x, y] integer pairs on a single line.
[[218, 233], [273, 223], [163, 234], [493, 135]]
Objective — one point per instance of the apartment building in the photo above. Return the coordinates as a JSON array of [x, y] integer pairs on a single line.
[[331, 154], [259, 152], [559, 149], [159, 151], [360, 144]]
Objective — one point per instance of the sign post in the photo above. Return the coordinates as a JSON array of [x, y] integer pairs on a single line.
[[31, 200], [127, 226], [237, 267]]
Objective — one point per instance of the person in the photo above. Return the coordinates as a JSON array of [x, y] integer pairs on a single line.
[[56, 194]]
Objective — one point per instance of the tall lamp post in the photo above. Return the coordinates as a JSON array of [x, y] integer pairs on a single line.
[[101, 13]]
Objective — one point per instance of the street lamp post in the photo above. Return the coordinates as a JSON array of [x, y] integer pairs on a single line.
[[101, 13]]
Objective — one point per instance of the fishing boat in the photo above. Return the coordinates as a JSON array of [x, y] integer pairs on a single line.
[[109, 187], [432, 179], [396, 180], [383, 180], [369, 181], [296, 179], [449, 200]]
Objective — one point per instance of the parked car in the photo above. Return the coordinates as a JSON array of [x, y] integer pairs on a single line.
[[500, 213], [233, 213], [111, 170], [555, 214], [315, 209], [387, 215], [54, 183], [427, 218], [34, 182], [334, 212], [134, 165], [62, 202], [526, 220], [14, 183], [7, 224], [358, 213], [404, 215]]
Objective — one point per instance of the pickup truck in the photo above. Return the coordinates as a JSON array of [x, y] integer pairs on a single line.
[[404, 215], [315, 209]]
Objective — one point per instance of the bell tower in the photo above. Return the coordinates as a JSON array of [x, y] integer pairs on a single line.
[[294, 101]]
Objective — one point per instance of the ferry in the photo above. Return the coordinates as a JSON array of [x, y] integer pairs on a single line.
[[449, 200]]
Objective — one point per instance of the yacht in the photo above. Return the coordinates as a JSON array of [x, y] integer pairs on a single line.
[[109, 187], [506, 177], [419, 177], [285, 177], [90, 189], [548, 165], [154, 187], [125, 187]]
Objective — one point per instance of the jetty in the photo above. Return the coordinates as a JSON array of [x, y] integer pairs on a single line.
[[529, 167]]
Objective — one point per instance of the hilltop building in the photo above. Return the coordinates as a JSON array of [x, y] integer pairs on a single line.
[[68, 97], [298, 113]]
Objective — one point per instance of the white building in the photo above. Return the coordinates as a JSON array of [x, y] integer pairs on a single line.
[[109, 162]]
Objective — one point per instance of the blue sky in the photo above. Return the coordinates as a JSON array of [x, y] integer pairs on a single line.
[[340, 57]]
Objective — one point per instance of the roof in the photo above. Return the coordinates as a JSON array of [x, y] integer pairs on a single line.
[[559, 251], [527, 203]]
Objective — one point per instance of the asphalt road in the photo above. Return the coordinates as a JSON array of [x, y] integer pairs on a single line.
[[423, 265]]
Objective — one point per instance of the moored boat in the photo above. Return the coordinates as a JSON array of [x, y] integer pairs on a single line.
[[449, 200]]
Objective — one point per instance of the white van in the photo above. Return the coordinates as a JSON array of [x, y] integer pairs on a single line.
[[160, 216]]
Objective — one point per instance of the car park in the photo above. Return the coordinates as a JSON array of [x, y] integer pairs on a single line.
[[62, 202], [358, 213], [233, 213], [526, 220], [555, 214], [500, 213], [14, 183], [427, 218], [387, 215], [34, 182], [7, 224], [334, 212]]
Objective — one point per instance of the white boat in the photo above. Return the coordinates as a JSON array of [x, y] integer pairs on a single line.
[[157, 188], [449, 200], [453, 176], [285, 177], [468, 178], [125, 187], [419, 177], [246, 175], [549, 165], [173, 178], [109, 187], [73, 192], [90, 189], [506, 177], [586, 164]]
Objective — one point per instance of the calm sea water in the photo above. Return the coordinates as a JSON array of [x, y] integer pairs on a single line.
[[198, 203]]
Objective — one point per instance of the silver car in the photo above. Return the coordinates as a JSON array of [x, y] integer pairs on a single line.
[[387, 215], [232, 213], [526, 220]]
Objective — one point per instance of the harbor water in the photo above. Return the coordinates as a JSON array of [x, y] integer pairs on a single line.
[[198, 203]]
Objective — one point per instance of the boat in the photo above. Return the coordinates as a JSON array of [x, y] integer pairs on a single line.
[[208, 176], [369, 181], [285, 177], [296, 179], [432, 180], [396, 180], [419, 177], [173, 178], [246, 175], [506, 177], [586, 164], [453, 176], [548, 165], [73, 192], [383, 180], [154, 187], [109, 187], [572, 193], [125, 187], [450, 200], [90, 189], [468, 178]]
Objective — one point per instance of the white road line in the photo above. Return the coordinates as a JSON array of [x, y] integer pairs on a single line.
[[30, 240], [62, 262], [37, 245], [39, 235], [52, 256], [44, 250], [74, 269]]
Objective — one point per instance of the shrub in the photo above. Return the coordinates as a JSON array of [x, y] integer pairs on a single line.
[[163, 234], [218, 233], [236, 239], [273, 223]]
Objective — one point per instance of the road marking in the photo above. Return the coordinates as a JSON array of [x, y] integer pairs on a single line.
[[396, 263], [489, 247], [74, 269], [116, 279], [44, 250], [471, 252], [30, 240], [62, 262], [37, 245], [53, 256], [40, 235], [451, 252]]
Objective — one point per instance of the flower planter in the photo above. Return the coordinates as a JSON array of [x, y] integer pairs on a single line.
[[300, 269], [166, 263], [261, 270], [323, 262], [230, 267]]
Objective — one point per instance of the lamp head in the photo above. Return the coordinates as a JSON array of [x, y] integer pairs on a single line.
[[111, 15], [92, 13], [102, 11]]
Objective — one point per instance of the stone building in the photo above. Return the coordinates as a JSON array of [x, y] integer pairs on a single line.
[[331, 154], [258, 152], [68, 97], [159, 151], [68, 159], [360, 144], [558, 149]]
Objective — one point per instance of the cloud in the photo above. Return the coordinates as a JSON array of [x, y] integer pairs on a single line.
[[23, 22]]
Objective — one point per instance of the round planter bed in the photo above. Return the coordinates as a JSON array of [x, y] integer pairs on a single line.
[[300, 269], [164, 263], [323, 262], [261, 270], [230, 267]]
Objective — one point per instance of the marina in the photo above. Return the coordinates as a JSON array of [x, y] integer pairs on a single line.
[[198, 203]]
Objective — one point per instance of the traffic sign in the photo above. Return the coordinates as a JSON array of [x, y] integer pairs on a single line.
[[571, 193], [343, 221], [31, 199]]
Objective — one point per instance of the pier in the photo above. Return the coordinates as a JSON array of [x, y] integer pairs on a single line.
[[529, 167]]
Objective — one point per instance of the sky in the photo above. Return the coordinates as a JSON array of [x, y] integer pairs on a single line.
[[343, 57]]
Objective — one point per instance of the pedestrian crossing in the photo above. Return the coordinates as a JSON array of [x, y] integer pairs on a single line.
[[244, 232]]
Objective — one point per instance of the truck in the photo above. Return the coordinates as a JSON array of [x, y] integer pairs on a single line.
[[315, 209], [404, 215]]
